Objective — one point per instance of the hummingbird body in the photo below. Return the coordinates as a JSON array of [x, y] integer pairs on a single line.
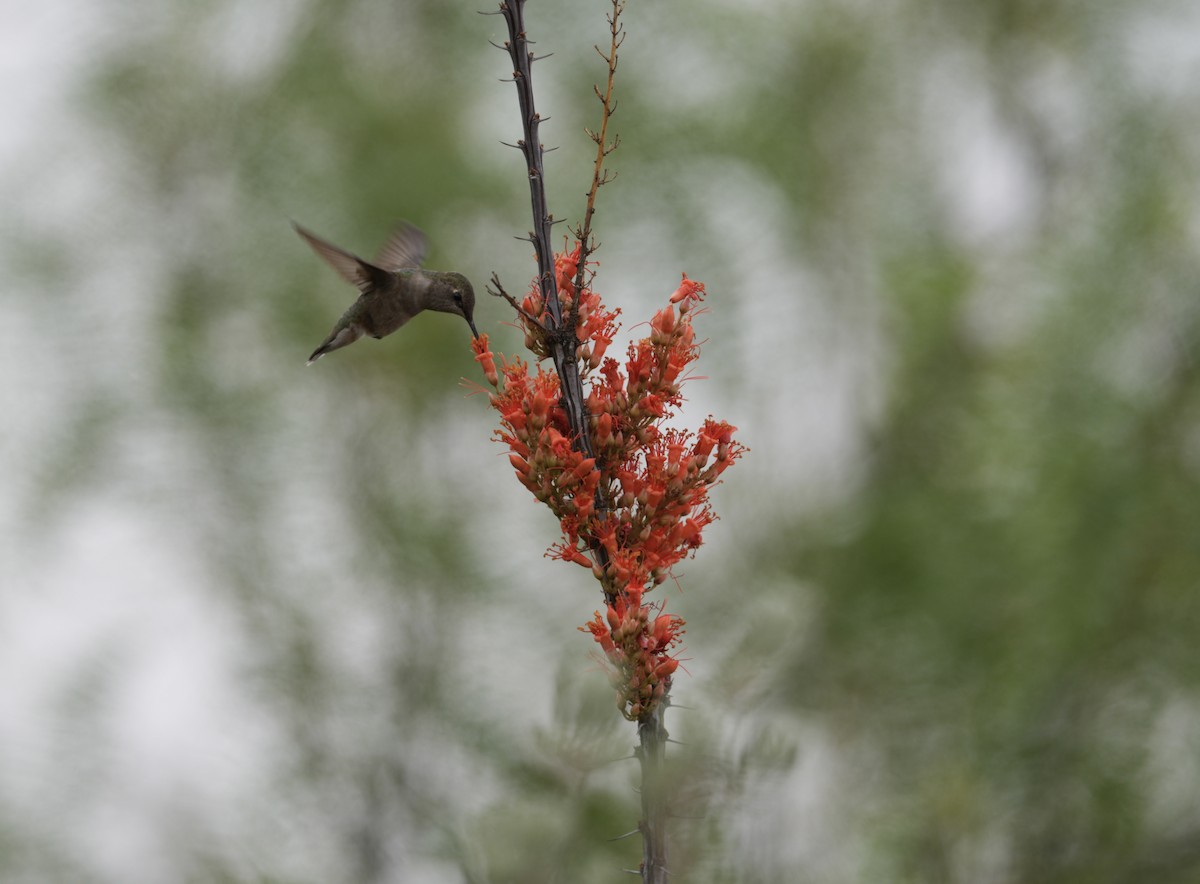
[[394, 288]]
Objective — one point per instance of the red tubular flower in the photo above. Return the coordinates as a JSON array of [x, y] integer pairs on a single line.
[[571, 554], [596, 354], [512, 413], [484, 357], [612, 375], [603, 430], [532, 303], [674, 451], [566, 265], [601, 631], [540, 406], [665, 627], [689, 289]]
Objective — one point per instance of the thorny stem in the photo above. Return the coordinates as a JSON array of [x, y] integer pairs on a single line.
[[651, 752], [562, 339], [564, 344], [497, 289], [600, 177]]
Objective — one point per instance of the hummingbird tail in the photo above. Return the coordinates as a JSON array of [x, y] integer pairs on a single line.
[[341, 337]]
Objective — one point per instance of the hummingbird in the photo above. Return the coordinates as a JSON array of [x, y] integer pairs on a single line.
[[393, 288]]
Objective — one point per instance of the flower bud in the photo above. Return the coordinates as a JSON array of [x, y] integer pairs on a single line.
[[662, 324], [665, 668]]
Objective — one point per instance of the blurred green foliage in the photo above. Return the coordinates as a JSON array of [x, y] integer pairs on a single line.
[[959, 646]]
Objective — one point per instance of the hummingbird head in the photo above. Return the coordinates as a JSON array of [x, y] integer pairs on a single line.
[[460, 298]]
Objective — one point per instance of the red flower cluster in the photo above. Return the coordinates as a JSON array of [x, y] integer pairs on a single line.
[[638, 649], [640, 504], [595, 327]]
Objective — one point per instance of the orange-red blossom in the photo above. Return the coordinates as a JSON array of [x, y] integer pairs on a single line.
[[640, 504]]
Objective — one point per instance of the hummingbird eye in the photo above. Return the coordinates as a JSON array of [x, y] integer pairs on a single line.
[[457, 297]]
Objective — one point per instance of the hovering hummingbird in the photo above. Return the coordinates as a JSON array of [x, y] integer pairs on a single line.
[[393, 288]]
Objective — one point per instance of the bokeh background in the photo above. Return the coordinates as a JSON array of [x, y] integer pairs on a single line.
[[263, 623]]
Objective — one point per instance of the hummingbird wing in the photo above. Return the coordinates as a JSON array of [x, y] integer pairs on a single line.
[[404, 249], [350, 267]]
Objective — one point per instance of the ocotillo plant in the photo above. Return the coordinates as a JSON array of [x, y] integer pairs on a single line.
[[591, 441]]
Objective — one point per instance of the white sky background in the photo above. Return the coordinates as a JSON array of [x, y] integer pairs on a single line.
[[107, 588], [111, 587]]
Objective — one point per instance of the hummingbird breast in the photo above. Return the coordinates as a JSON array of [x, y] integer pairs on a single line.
[[389, 307]]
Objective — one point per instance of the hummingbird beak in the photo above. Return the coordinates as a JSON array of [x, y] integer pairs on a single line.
[[474, 330]]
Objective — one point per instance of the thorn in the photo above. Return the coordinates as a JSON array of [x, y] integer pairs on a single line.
[[550, 149], [503, 48], [613, 761], [517, 146], [626, 835], [534, 58]]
